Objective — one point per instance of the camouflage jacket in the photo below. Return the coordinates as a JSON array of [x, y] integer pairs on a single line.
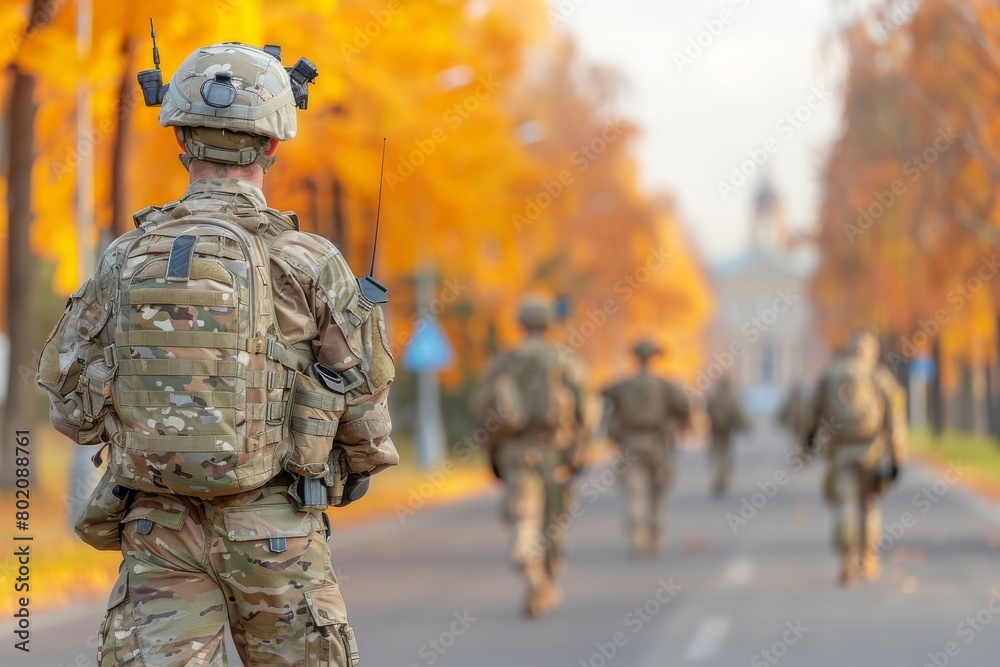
[[318, 308], [645, 403], [725, 413]]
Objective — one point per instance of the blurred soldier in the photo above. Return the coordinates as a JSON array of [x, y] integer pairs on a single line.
[[860, 422], [646, 413], [532, 403], [239, 373], [725, 418], [796, 416]]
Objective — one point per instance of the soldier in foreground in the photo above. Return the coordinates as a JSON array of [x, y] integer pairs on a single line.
[[860, 423], [239, 374], [532, 402], [646, 413], [726, 418]]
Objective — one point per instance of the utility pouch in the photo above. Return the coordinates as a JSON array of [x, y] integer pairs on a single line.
[[99, 522], [315, 415]]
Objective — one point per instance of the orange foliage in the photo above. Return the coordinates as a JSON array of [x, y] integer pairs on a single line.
[[910, 213], [484, 107]]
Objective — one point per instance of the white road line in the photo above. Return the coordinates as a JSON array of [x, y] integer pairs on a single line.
[[708, 639], [738, 573]]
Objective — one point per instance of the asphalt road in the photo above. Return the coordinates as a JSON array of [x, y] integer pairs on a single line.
[[435, 589]]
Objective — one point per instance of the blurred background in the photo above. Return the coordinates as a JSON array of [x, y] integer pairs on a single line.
[[742, 181]]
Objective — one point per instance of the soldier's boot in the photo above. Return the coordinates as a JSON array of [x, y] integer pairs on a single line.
[[537, 602], [848, 569], [869, 565]]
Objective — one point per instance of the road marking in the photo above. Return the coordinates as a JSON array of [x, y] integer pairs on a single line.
[[738, 573], [708, 639]]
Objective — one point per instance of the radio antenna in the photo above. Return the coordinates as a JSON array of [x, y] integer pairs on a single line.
[[378, 210], [156, 51], [372, 289]]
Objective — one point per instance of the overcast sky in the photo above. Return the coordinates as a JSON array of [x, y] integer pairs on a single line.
[[702, 116]]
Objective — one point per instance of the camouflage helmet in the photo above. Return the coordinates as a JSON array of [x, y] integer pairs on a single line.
[[644, 349], [536, 312], [230, 99]]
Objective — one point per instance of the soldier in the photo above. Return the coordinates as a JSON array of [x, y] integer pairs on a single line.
[[860, 422], [239, 373], [535, 395], [726, 418], [795, 415], [646, 413]]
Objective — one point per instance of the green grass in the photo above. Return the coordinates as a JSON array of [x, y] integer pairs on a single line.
[[979, 453]]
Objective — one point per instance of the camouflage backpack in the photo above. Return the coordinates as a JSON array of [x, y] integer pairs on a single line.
[[852, 401], [526, 391], [203, 384]]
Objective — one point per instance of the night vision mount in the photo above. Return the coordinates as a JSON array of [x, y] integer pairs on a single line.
[[220, 92]]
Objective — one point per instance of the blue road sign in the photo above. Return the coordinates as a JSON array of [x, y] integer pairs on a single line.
[[428, 349]]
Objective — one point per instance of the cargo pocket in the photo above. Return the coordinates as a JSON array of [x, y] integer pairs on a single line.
[[99, 522], [316, 413], [154, 511], [95, 389], [331, 643], [117, 640]]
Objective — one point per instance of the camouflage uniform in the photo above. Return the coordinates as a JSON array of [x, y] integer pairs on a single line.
[[646, 412], [536, 465], [855, 478], [726, 418], [253, 559]]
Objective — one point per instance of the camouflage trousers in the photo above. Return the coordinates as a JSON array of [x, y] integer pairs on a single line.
[[721, 457], [645, 480], [851, 491], [250, 561], [535, 504]]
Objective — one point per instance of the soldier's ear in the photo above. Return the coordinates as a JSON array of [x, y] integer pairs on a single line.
[[271, 147]]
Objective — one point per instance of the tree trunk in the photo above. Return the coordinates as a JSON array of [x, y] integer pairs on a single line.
[[937, 403], [18, 408]]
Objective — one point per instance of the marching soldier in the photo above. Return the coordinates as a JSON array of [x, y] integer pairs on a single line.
[[646, 414], [726, 418], [859, 422], [535, 394], [239, 374]]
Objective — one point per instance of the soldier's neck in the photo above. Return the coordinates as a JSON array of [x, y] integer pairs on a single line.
[[251, 174]]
